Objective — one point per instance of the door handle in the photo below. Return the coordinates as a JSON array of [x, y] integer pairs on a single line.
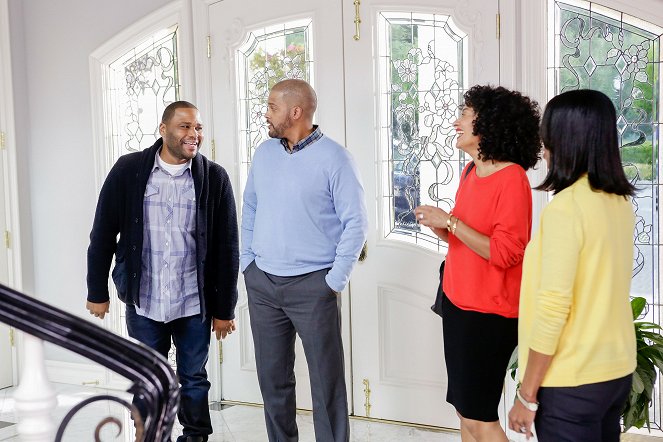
[[364, 252]]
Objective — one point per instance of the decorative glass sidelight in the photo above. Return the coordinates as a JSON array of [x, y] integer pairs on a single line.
[[422, 76], [141, 83], [269, 55], [595, 47]]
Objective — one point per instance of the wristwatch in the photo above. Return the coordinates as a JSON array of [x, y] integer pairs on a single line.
[[531, 406]]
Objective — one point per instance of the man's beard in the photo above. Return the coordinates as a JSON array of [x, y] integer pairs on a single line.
[[279, 131]]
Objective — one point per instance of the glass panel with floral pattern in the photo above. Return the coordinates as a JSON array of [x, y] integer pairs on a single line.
[[598, 48], [142, 82], [423, 74], [605, 51], [269, 55]]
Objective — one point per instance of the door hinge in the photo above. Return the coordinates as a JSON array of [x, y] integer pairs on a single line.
[[209, 46], [8, 242], [357, 4], [2, 140], [11, 337], [213, 150], [497, 26], [220, 352], [367, 397]]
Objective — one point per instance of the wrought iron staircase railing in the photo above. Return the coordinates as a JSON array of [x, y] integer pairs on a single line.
[[153, 380]]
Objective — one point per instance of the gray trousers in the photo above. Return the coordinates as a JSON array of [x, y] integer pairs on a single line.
[[281, 306]]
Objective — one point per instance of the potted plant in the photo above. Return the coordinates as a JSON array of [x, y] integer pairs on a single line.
[[649, 344], [650, 355]]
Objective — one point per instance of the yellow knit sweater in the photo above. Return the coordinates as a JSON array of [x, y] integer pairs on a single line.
[[574, 300]]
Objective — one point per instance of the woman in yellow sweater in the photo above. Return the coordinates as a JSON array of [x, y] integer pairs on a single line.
[[575, 336]]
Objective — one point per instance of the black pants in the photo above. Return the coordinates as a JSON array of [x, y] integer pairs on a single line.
[[281, 306], [586, 413]]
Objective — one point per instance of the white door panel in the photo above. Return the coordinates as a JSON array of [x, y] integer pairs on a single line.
[[396, 339], [236, 30], [399, 129]]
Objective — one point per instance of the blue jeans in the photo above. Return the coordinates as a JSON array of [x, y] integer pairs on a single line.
[[191, 336]]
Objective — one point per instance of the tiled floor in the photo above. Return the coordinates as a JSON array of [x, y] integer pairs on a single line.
[[231, 424], [234, 423]]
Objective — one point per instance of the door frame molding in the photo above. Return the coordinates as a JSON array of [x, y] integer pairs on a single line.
[[9, 153], [104, 55], [202, 93], [177, 12]]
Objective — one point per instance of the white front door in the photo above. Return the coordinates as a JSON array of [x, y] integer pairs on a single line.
[[404, 80], [255, 44], [409, 67]]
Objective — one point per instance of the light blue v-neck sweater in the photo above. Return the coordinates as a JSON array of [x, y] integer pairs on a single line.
[[304, 211]]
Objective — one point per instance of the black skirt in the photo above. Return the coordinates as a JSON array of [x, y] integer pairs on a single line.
[[477, 349]]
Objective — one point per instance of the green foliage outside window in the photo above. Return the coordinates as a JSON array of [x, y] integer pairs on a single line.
[[288, 62], [638, 160], [620, 61]]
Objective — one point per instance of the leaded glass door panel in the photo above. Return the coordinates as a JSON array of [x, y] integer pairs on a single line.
[[399, 127], [252, 48], [616, 49]]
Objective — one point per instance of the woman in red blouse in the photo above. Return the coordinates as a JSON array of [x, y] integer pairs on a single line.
[[487, 232]]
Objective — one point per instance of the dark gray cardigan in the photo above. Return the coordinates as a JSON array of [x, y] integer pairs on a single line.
[[120, 210]]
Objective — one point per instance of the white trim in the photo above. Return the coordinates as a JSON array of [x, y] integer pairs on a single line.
[[88, 374], [100, 60], [203, 93], [533, 23], [75, 373], [102, 57], [650, 11], [508, 44], [8, 432], [532, 51], [7, 122], [176, 13], [10, 160], [185, 55], [203, 72]]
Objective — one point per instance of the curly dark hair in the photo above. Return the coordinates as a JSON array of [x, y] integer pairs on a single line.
[[507, 123]]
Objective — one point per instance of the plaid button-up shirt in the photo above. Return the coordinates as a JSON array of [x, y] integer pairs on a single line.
[[169, 285], [310, 139]]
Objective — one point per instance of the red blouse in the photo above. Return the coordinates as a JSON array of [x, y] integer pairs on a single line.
[[499, 206]]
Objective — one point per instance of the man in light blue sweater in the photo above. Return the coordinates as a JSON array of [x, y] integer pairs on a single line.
[[303, 226]]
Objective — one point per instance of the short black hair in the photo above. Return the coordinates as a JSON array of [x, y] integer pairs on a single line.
[[170, 109], [507, 124], [579, 129]]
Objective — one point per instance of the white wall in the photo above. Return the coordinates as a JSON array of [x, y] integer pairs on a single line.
[[51, 42]]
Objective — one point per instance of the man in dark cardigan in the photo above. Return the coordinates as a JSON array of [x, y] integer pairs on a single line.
[[176, 259]]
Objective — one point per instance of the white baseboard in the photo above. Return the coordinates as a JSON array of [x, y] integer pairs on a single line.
[[7, 430], [75, 373], [92, 375]]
